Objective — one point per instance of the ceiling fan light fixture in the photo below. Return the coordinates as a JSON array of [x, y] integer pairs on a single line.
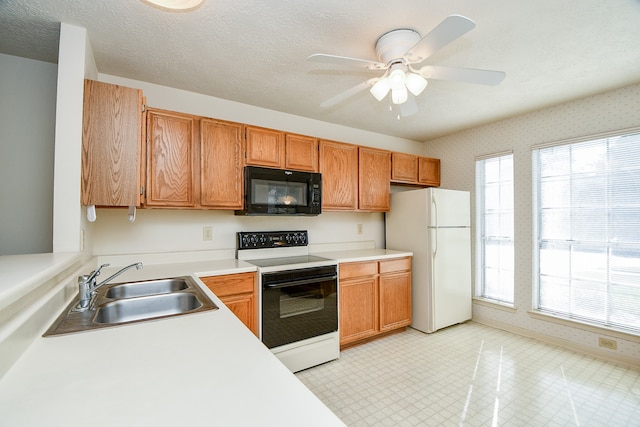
[[381, 88], [397, 78], [415, 83], [399, 96], [175, 5]]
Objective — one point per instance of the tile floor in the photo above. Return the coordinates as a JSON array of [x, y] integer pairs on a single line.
[[473, 375]]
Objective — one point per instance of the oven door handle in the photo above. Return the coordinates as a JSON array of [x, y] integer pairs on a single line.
[[300, 282]]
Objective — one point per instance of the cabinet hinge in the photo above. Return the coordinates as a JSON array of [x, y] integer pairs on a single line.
[[144, 108], [142, 191]]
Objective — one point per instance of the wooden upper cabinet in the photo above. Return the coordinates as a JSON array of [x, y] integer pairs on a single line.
[[301, 153], [220, 164], [338, 165], [265, 147], [415, 170], [373, 179], [171, 159], [404, 167], [111, 145], [429, 171]]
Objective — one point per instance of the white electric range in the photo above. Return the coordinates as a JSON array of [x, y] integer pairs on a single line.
[[298, 297]]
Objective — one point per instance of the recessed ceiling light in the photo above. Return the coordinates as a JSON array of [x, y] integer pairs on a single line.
[[175, 5]]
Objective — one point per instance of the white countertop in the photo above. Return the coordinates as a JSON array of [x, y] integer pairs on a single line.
[[21, 274], [198, 369], [355, 255]]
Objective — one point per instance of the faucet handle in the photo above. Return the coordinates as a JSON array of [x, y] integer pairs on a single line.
[[96, 273]]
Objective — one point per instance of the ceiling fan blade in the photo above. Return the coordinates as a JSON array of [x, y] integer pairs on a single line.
[[343, 96], [453, 27], [467, 75], [343, 60]]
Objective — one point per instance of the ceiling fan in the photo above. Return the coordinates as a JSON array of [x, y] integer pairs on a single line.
[[399, 52]]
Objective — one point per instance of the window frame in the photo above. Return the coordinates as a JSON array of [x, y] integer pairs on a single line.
[[536, 232], [480, 235]]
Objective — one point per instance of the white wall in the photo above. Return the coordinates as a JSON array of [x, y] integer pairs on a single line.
[[618, 109], [27, 124], [75, 61], [171, 230]]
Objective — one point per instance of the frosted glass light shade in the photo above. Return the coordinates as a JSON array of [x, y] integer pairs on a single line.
[[397, 79], [175, 5], [399, 96], [415, 83], [381, 88]]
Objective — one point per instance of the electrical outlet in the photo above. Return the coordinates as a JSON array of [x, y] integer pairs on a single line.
[[608, 343], [359, 228], [207, 233]]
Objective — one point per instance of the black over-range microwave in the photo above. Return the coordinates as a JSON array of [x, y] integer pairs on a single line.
[[281, 192]]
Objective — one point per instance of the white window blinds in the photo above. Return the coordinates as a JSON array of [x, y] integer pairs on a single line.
[[587, 230], [494, 238]]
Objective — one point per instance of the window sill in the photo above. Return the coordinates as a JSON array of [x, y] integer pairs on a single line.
[[584, 326], [495, 304]]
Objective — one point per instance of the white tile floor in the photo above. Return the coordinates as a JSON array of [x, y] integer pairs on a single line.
[[473, 375]]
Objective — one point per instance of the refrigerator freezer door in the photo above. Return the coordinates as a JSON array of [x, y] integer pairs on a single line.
[[449, 208], [450, 276]]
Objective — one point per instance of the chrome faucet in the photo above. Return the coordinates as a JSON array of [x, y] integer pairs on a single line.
[[87, 285]]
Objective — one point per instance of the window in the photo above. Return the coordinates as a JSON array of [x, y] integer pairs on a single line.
[[494, 213], [587, 230]]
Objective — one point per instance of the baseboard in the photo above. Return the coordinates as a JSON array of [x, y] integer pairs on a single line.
[[569, 345]]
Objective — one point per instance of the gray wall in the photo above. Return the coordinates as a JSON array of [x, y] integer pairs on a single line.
[[27, 132]]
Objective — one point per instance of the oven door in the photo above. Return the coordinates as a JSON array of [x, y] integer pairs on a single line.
[[298, 304]]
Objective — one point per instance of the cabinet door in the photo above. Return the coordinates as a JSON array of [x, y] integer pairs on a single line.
[[374, 173], [171, 159], [220, 164], [395, 300], [242, 306], [301, 153], [265, 147], [237, 292], [429, 171], [358, 309], [404, 168], [111, 145], [339, 168]]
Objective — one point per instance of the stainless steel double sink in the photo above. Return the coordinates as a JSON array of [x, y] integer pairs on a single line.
[[131, 302]]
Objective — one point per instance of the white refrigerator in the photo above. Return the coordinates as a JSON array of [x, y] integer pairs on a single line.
[[434, 224]]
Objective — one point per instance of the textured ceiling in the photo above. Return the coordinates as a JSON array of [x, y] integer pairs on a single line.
[[255, 52]]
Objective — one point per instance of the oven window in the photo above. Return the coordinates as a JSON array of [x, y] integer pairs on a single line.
[[299, 311], [278, 193], [298, 300]]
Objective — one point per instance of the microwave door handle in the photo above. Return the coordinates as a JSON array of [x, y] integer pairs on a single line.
[[299, 282]]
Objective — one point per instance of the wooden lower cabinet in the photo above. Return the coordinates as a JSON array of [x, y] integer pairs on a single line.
[[375, 298], [238, 293]]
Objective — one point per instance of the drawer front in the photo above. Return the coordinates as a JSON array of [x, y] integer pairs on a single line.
[[397, 264], [230, 284], [358, 269]]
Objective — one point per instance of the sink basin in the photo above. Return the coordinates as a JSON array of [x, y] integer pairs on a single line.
[[151, 287], [149, 307], [130, 302]]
